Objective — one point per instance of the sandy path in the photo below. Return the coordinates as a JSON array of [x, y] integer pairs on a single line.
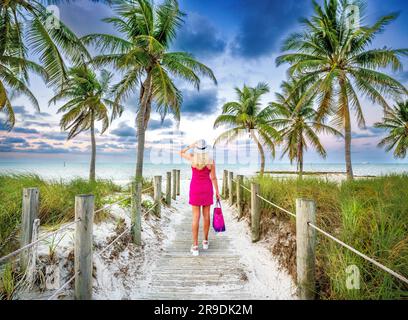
[[233, 267]]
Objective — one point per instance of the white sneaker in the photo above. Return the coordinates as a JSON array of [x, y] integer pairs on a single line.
[[206, 243], [194, 251]]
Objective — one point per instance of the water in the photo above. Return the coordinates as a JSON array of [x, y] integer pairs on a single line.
[[123, 171]]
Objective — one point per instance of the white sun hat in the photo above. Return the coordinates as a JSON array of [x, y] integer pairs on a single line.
[[201, 146]]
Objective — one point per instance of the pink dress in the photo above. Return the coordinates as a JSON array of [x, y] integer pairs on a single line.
[[201, 188]]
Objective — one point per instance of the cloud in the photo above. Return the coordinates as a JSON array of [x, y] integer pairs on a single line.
[[198, 103], [13, 140], [124, 130], [59, 136], [263, 25], [370, 132], [37, 123], [200, 37], [17, 129], [158, 124]]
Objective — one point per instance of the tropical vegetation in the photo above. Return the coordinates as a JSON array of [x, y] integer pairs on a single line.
[[87, 102], [395, 121], [297, 123], [141, 53], [367, 214], [247, 116], [27, 27], [336, 61]]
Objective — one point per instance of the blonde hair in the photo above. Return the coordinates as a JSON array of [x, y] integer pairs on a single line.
[[200, 160]]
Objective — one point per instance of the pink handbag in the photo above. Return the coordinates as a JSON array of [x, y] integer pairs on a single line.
[[218, 218]]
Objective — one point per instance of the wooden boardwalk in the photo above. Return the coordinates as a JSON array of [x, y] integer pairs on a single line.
[[215, 274]]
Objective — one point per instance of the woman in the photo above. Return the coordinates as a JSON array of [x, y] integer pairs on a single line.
[[203, 181]]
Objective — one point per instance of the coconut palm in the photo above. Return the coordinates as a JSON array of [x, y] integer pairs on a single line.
[[26, 26], [87, 103], [298, 126], [141, 54], [336, 59], [247, 115], [396, 122]]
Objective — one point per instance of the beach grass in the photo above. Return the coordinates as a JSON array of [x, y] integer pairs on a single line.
[[57, 202], [371, 215]]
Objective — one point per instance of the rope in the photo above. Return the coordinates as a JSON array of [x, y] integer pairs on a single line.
[[245, 188], [111, 204], [56, 293], [150, 209], [113, 242], [147, 189], [379, 265], [276, 206], [27, 246]]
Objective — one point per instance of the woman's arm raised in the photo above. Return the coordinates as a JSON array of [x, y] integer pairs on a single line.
[[183, 153]]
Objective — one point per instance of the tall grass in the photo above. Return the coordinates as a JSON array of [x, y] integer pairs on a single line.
[[370, 215], [57, 200]]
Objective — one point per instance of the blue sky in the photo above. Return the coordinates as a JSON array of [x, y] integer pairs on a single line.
[[239, 40]]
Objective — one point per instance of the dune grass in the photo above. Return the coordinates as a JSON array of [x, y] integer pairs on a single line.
[[57, 199], [371, 215]]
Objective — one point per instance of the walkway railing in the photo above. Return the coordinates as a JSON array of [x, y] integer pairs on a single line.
[[305, 231], [83, 222]]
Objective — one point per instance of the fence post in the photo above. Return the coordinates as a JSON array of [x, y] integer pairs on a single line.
[[225, 184], [168, 188], [84, 210], [178, 182], [231, 187], [255, 212], [32, 261], [136, 218], [240, 179], [157, 194], [305, 248], [29, 214], [174, 191]]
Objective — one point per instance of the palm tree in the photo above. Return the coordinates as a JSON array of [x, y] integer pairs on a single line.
[[141, 55], [396, 122], [87, 103], [298, 125], [26, 26], [14, 77], [336, 60], [246, 115]]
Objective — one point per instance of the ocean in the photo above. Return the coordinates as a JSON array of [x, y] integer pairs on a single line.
[[123, 171]]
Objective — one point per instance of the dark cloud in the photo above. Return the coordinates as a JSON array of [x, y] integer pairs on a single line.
[[37, 123], [198, 103], [158, 124], [124, 130], [370, 132], [59, 136], [25, 130], [264, 24], [199, 37], [13, 140]]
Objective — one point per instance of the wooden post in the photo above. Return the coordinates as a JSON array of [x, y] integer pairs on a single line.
[[225, 184], [84, 210], [136, 218], [231, 187], [255, 212], [305, 248], [174, 191], [168, 188], [178, 182], [157, 194], [32, 261], [29, 214], [240, 179]]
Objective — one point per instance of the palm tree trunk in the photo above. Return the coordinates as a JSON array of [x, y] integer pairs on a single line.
[[140, 123], [300, 158], [261, 152], [93, 156], [347, 128]]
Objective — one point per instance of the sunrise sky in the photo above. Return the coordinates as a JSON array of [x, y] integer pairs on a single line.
[[239, 40]]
